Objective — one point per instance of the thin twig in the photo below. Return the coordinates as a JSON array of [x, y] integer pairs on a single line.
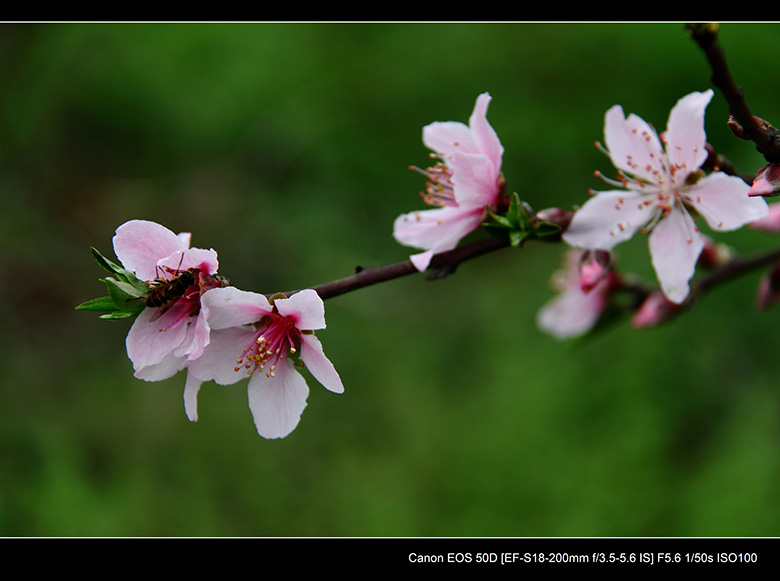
[[766, 137]]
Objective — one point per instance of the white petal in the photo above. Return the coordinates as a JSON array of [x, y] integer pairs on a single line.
[[439, 229], [148, 344], [220, 358], [422, 260], [205, 260], [445, 137], [230, 307], [685, 136], [277, 402], [675, 246], [633, 145], [167, 367], [475, 180], [306, 307], [191, 388], [724, 202], [607, 219], [571, 313], [139, 244], [319, 365], [485, 136]]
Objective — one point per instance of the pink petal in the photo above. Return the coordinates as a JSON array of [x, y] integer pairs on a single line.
[[191, 389], [675, 246], [445, 137], [220, 358], [475, 180], [633, 145], [139, 244], [484, 134], [422, 260], [319, 365], [724, 202], [167, 367], [205, 260], [439, 229], [147, 344], [607, 219], [231, 307], [306, 307], [277, 402], [571, 313], [685, 136]]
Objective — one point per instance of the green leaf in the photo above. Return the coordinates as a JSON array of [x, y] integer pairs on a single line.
[[120, 273], [100, 304]]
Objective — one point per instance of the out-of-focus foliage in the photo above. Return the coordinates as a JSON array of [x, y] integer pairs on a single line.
[[285, 147]]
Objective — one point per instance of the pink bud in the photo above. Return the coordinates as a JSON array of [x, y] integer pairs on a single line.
[[714, 254], [767, 181], [555, 216], [739, 131], [594, 267], [655, 310]]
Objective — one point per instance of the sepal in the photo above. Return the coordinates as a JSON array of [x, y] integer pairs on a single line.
[[519, 223], [125, 292]]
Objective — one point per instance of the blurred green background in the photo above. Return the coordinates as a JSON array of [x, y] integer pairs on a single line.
[[286, 148]]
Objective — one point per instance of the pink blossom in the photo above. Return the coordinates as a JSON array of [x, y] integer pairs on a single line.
[[261, 339], [582, 296], [660, 187], [163, 339], [466, 180]]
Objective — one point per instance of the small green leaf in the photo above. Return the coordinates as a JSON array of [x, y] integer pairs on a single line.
[[120, 273], [99, 304]]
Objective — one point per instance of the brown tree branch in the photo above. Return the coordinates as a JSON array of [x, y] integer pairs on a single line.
[[766, 137]]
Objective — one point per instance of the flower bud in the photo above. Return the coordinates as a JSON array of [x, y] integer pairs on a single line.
[[655, 310], [767, 181], [594, 268], [560, 218], [739, 131], [714, 254]]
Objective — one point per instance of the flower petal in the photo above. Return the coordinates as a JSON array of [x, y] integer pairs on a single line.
[[484, 135], [148, 342], [685, 136], [675, 245], [306, 308], [167, 367], [607, 219], [438, 230], [139, 244], [319, 365], [219, 361], [633, 145], [231, 307], [724, 202], [571, 313], [191, 389], [200, 258], [277, 402], [475, 180], [445, 137]]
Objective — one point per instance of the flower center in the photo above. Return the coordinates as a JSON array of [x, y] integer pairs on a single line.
[[275, 339], [439, 190]]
